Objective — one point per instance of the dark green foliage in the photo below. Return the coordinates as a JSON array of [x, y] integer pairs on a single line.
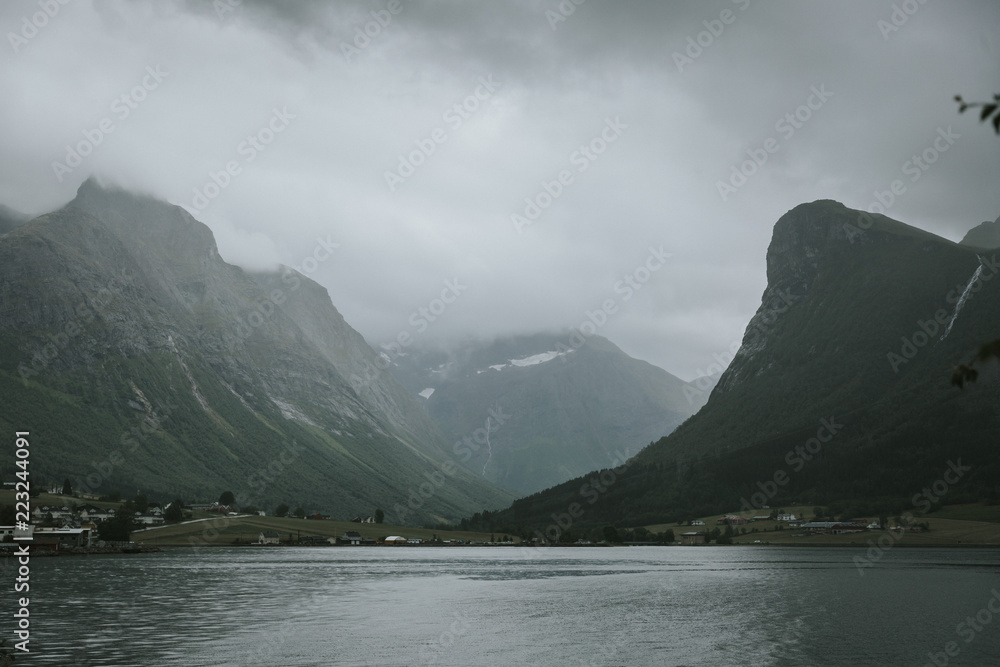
[[281, 510], [227, 498], [119, 528], [67, 489], [175, 512], [379, 516]]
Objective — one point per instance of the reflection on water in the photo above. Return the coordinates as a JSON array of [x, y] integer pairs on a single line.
[[232, 607]]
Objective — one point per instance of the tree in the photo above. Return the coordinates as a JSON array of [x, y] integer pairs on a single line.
[[611, 534], [174, 513], [140, 503], [119, 527], [67, 489], [227, 498], [379, 516], [299, 512], [281, 510]]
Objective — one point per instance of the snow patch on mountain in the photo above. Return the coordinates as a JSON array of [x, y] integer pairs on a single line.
[[533, 360]]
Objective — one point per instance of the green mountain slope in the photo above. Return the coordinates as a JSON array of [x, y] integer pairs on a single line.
[[552, 411], [139, 359], [847, 356]]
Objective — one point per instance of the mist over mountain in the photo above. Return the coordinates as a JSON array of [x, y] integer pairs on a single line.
[[147, 362], [840, 388], [528, 412], [10, 219]]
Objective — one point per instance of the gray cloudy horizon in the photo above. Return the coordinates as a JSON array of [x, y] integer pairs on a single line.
[[532, 161]]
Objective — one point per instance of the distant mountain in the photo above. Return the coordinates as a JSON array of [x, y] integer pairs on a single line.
[[527, 412], [839, 392], [139, 359], [985, 235]]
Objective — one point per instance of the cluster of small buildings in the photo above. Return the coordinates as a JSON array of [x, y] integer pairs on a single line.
[[54, 527], [89, 514], [350, 538], [740, 520], [48, 538], [810, 527]]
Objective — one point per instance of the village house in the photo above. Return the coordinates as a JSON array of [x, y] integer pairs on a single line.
[[62, 537], [833, 527], [95, 514], [269, 537], [351, 538], [150, 519], [692, 538], [732, 520]]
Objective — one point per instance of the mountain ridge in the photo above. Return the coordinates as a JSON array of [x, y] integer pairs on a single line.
[[118, 300], [567, 409]]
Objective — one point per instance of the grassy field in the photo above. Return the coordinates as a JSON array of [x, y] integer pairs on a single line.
[[225, 531], [959, 525]]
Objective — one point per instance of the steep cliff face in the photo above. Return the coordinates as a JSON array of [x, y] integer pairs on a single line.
[[144, 360], [860, 325], [844, 249]]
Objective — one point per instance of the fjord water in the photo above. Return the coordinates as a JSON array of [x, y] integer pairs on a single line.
[[230, 607]]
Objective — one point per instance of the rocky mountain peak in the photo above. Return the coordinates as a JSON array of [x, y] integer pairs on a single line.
[[150, 222], [984, 235]]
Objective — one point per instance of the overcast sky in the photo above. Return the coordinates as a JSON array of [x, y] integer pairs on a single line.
[[642, 108]]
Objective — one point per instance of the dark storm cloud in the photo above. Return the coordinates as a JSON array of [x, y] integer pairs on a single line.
[[675, 96]]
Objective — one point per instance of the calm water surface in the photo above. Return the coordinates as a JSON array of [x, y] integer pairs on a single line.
[[232, 607]]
